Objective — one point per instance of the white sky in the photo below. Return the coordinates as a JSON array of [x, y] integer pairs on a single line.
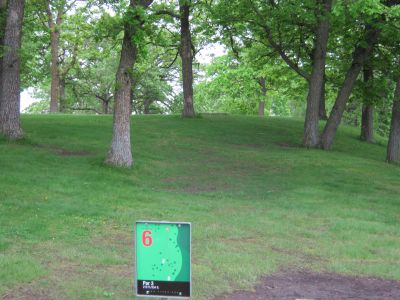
[[26, 99], [206, 54]]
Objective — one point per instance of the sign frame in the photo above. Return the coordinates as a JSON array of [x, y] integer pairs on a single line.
[[136, 259]]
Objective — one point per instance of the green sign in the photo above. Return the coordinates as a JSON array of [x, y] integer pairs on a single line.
[[163, 252]]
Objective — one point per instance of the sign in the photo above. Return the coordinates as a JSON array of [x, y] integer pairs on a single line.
[[163, 256]]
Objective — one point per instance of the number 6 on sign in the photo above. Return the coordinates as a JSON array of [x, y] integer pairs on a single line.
[[146, 238]]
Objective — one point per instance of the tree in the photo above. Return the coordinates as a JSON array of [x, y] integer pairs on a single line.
[[297, 32], [316, 90], [186, 54], [291, 27], [152, 93], [261, 104], [95, 83], [91, 83], [10, 71], [185, 47], [374, 25], [56, 13], [215, 92], [367, 118], [393, 147], [120, 153], [54, 21], [360, 56], [3, 21]]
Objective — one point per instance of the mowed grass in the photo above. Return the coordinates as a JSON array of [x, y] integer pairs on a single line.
[[258, 204]]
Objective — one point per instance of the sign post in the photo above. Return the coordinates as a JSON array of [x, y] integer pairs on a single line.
[[163, 259]]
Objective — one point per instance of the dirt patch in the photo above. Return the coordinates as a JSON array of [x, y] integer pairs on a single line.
[[65, 152], [124, 271], [288, 145], [26, 293], [248, 146], [197, 189], [307, 285]]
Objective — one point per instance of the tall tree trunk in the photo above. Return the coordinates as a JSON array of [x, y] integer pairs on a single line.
[[106, 107], [55, 63], [367, 117], [316, 82], [146, 106], [63, 73], [393, 147], [322, 107], [120, 153], [360, 56], [367, 123], [187, 59], [10, 79], [63, 104], [3, 21], [105, 101], [261, 104]]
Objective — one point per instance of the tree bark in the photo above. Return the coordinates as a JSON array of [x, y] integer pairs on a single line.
[[393, 147], [360, 56], [55, 63], [146, 107], [10, 79], [367, 117], [120, 153], [261, 108], [322, 107], [105, 103], [63, 73], [367, 123], [63, 104], [105, 107], [3, 20], [187, 59], [316, 82], [261, 104]]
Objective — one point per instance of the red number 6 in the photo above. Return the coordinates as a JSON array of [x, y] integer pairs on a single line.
[[146, 238]]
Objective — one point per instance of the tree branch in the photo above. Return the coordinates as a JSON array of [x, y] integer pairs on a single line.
[[295, 67], [278, 48], [167, 12], [175, 58], [85, 109]]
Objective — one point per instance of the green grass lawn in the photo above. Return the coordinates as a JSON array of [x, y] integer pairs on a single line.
[[257, 203]]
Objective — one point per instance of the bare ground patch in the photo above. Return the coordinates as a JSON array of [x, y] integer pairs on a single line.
[[291, 285], [288, 145], [217, 174], [26, 293], [64, 152], [192, 187], [248, 146]]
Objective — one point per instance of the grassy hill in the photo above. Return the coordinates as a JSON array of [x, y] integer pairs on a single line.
[[258, 203]]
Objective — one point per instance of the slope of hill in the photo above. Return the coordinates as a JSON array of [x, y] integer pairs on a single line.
[[257, 201]]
